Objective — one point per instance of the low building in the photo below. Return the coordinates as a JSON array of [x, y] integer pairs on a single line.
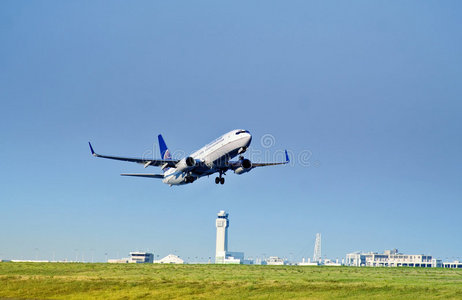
[[452, 265], [141, 257], [355, 259], [135, 258], [170, 259], [275, 261], [118, 260], [391, 258], [231, 260], [325, 262], [31, 260], [329, 262], [308, 262]]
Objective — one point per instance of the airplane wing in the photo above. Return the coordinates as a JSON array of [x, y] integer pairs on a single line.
[[254, 165], [235, 164], [160, 176], [145, 161]]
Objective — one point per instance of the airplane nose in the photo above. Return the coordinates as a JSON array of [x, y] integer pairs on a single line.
[[249, 139]]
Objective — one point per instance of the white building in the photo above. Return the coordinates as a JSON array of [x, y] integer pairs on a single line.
[[135, 258], [141, 257], [308, 262], [222, 255], [332, 263], [275, 261], [391, 258], [452, 265], [118, 260], [170, 259]]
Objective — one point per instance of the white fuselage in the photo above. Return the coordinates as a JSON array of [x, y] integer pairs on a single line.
[[212, 157]]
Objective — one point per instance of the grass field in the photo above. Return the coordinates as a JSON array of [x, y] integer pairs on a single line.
[[149, 281]]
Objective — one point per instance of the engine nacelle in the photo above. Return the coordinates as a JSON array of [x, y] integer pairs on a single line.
[[186, 164], [245, 166]]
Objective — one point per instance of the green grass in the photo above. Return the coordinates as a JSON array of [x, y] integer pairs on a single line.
[[138, 281]]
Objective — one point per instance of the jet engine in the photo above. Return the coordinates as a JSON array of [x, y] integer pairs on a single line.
[[186, 164], [244, 166]]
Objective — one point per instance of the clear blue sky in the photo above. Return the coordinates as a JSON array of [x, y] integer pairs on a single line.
[[371, 88]]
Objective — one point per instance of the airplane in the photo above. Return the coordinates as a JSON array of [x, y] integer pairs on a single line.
[[214, 157]]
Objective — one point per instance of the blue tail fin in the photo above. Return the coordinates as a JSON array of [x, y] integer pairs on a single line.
[[164, 153]]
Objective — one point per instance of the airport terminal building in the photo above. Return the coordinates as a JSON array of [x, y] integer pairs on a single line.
[[391, 258]]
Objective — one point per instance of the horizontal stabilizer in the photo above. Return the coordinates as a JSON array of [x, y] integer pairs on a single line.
[[145, 175]]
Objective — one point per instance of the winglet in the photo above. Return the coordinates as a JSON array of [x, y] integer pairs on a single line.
[[287, 157], [91, 149]]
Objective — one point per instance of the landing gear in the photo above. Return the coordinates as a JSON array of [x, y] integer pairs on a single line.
[[220, 179], [190, 179]]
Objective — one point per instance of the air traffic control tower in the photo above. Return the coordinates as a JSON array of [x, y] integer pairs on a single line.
[[222, 237]]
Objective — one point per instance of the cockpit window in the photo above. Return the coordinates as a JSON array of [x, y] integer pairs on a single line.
[[242, 131]]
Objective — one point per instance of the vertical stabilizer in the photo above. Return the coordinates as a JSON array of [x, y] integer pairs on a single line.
[[164, 153]]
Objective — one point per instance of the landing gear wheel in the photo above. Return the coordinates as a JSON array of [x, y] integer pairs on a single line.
[[220, 178]]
